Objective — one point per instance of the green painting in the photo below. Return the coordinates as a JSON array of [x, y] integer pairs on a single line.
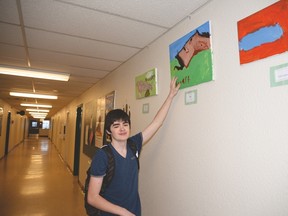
[[146, 84]]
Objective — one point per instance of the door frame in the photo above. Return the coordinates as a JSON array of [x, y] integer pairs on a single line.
[[7, 133], [77, 145]]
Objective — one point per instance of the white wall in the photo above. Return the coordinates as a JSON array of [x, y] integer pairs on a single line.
[[17, 128], [225, 155]]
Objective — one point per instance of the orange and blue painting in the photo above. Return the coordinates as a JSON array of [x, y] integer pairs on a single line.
[[264, 33]]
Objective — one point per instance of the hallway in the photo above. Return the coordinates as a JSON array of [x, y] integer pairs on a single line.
[[34, 181]]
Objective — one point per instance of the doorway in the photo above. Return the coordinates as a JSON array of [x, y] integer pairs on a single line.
[[77, 141], [7, 133]]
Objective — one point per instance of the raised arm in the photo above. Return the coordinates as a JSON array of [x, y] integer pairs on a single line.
[[158, 120]]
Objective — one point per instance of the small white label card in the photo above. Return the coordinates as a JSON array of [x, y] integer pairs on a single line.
[[279, 75], [145, 108], [191, 97]]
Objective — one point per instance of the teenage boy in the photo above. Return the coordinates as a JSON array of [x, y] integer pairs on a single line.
[[121, 197]]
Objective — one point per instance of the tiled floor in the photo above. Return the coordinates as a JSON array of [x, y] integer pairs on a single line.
[[35, 182]]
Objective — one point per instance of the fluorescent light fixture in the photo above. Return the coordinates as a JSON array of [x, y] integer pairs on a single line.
[[39, 116], [36, 105], [26, 72], [37, 110], [19, 94], [38, 113]]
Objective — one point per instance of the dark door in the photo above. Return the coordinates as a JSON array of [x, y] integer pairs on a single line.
[[7, 133], [77, 141]]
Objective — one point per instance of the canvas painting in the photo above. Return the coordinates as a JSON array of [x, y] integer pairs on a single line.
[[146, 84], [94, 117], [100, 115], [264, 33], [104, 105], [1, 117], [89, 123], [191, 57], [109, 101]]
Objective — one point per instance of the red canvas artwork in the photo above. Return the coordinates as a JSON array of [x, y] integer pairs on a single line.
[[264, 33]]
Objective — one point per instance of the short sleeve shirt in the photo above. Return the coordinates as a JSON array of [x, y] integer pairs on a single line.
[[123, 189]]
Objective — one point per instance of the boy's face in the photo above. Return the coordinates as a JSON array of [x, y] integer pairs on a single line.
[[120, 130]]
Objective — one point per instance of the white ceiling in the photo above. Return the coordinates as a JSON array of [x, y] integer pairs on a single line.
[[86, 38]]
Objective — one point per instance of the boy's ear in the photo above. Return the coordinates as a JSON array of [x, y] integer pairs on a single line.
[[108, 132]]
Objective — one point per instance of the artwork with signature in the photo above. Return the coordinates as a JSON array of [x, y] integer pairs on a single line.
[[191, 57]]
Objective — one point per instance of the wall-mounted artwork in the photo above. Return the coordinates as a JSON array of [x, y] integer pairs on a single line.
[[94, 117], [104, 105], [126, 108], [109, 101], [264, 33], [100, 116], [89, 128], [89, 123], [191, 57], [1, 117], [146, 84]]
